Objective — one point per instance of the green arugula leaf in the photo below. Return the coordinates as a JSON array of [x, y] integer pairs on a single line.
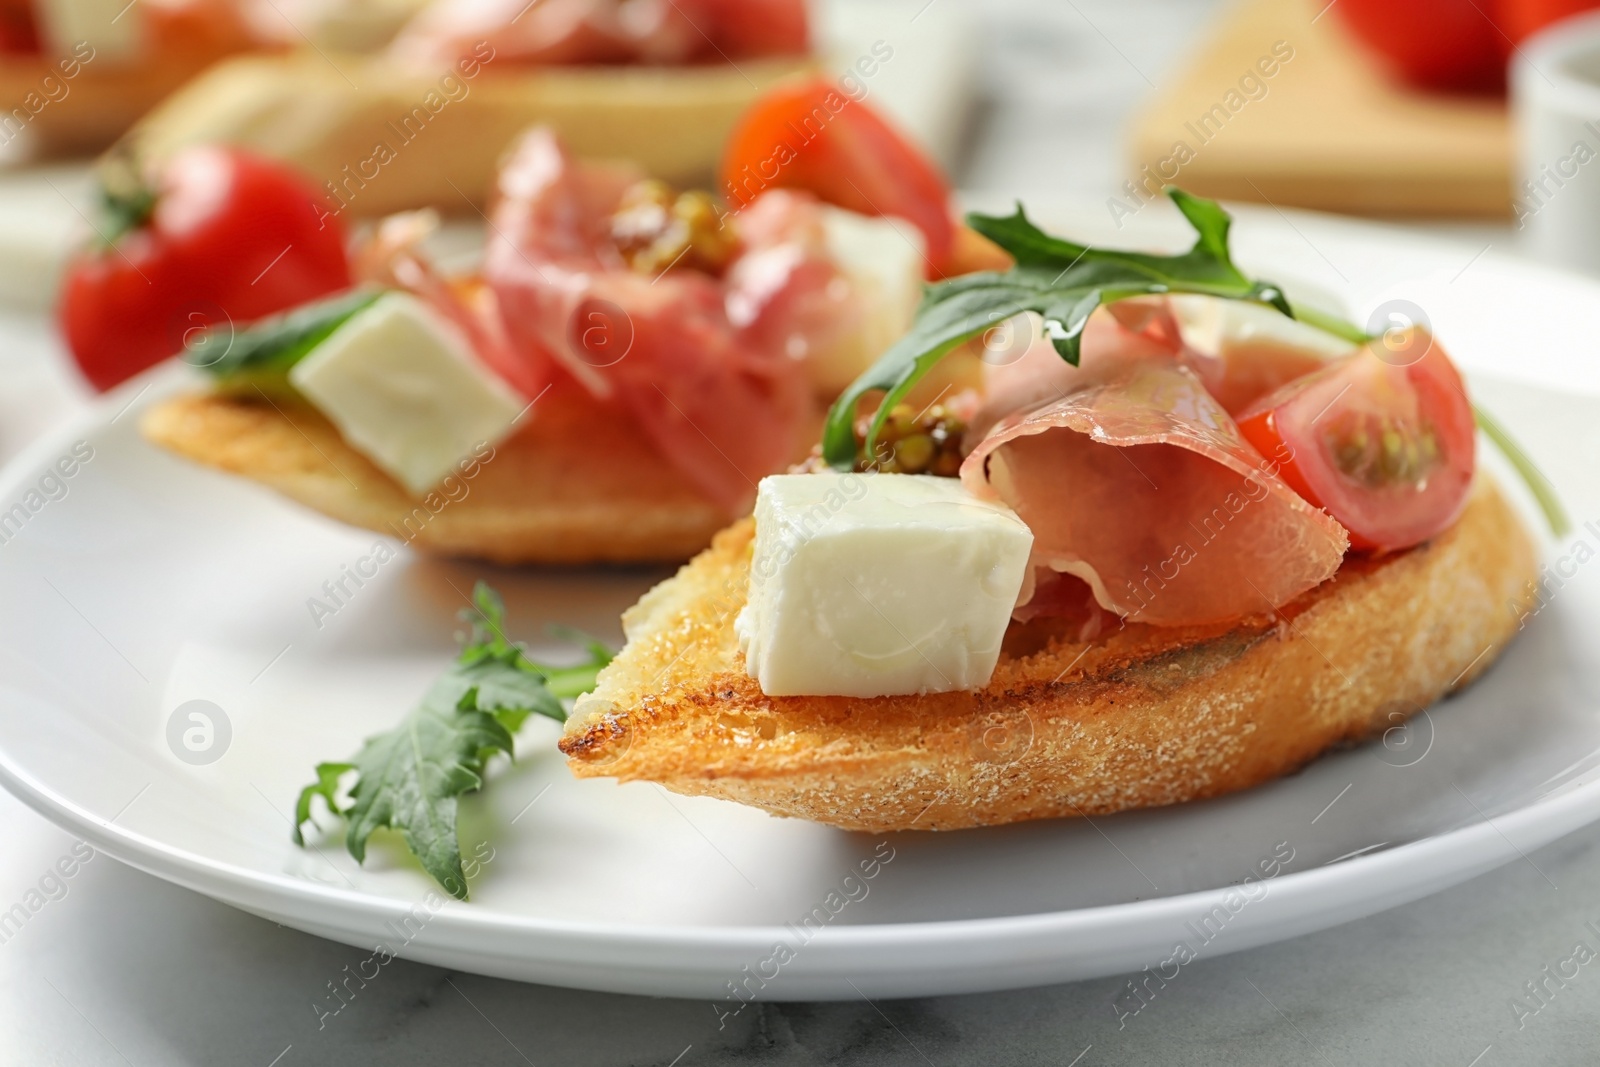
[[327, 787], [1544, 494], [410, 778], [261, 355], [512, 685], [1062, 281], [497, 683]]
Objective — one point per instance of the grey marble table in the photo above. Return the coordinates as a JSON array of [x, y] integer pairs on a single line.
[[120, 968]]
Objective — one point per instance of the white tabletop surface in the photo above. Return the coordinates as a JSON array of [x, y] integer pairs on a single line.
[[125, 969]]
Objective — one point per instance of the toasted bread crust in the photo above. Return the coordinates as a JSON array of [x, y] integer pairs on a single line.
[[578, 483], [1140, 717], [301, 108]]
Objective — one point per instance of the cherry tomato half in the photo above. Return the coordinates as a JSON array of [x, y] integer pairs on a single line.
[[219, 236], [1383, 440], [810, 135]]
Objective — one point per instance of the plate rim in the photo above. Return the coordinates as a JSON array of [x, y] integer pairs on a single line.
[[1582, 799]]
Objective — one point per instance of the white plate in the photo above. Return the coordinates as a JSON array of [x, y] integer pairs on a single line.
[[152, 583]]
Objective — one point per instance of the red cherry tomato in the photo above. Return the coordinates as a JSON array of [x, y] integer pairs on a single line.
[[810, 135], [1450, 45], [1383, 440], [222, 236]]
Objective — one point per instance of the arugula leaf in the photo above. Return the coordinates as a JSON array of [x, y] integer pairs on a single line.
[[261, 355], [1544, 494], [327, 787], [1062, 281], [409, 779]]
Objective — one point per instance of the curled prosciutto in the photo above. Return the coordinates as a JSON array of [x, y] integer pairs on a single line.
[[1240, 351], [1142, 486], [604, 31], [711, 349]]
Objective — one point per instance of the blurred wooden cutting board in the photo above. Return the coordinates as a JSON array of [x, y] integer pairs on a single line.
[[1327, 130]]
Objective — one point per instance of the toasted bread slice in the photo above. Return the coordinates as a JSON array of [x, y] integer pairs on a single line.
[[578, 483], [107, 96], [1140, 717], [381, 138]]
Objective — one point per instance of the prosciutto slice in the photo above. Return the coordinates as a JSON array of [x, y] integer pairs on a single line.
[[602, 31], [1039, 375], [1140, 484], [724, 396], [1240, 351]]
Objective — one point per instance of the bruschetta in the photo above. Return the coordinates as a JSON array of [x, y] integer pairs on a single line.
[[1196, 535]]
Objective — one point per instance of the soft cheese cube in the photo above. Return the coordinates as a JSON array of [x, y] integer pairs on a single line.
[[407, 391], [877, 584], [883, 261]]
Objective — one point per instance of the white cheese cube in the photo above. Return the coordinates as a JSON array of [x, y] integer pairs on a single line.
[[406, 390], [883, 262], [870, 585]]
